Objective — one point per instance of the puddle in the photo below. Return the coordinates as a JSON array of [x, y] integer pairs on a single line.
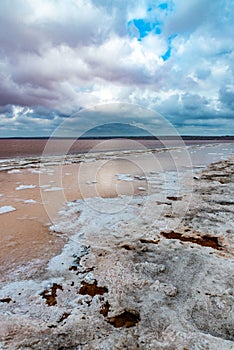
[[6, 300], [64, 316], [174, 198], [51, 294], [92, 289], [126, 319], [205, 241]]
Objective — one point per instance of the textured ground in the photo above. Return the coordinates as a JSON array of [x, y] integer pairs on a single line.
[[147, 272]]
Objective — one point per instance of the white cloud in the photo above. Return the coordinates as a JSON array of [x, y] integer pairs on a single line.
[[66, 55]]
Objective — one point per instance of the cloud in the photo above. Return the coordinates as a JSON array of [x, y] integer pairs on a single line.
[[227, 97], [173, 56], [188, 16]]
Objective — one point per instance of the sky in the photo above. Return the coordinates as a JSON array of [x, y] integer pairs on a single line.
[[171, 57]]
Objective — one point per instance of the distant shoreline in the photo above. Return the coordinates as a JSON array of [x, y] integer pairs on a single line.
[[174, 137]]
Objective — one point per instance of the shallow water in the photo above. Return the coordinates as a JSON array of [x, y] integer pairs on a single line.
[[161, 255], [11, 148], [37, 192]]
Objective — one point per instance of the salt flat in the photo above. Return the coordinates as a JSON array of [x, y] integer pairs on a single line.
[[138, 271]]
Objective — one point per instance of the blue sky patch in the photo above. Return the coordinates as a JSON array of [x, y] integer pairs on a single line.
[[167, 54], [143, 27], [157, 30], [163, 6]]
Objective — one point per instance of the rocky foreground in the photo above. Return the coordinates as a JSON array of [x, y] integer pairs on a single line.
[[154, 272]]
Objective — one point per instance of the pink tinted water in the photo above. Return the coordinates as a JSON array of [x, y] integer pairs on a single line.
[[34, 147]]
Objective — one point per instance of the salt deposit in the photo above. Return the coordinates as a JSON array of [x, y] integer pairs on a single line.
[[30, 201], [24, 187], [142, 272], [53, 189], [6, 209], [14, 171], [124, 177]]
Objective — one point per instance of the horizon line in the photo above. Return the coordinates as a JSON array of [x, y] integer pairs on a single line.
[[152, 137]]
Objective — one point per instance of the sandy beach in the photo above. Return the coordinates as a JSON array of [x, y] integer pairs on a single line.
[[118, 250]]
